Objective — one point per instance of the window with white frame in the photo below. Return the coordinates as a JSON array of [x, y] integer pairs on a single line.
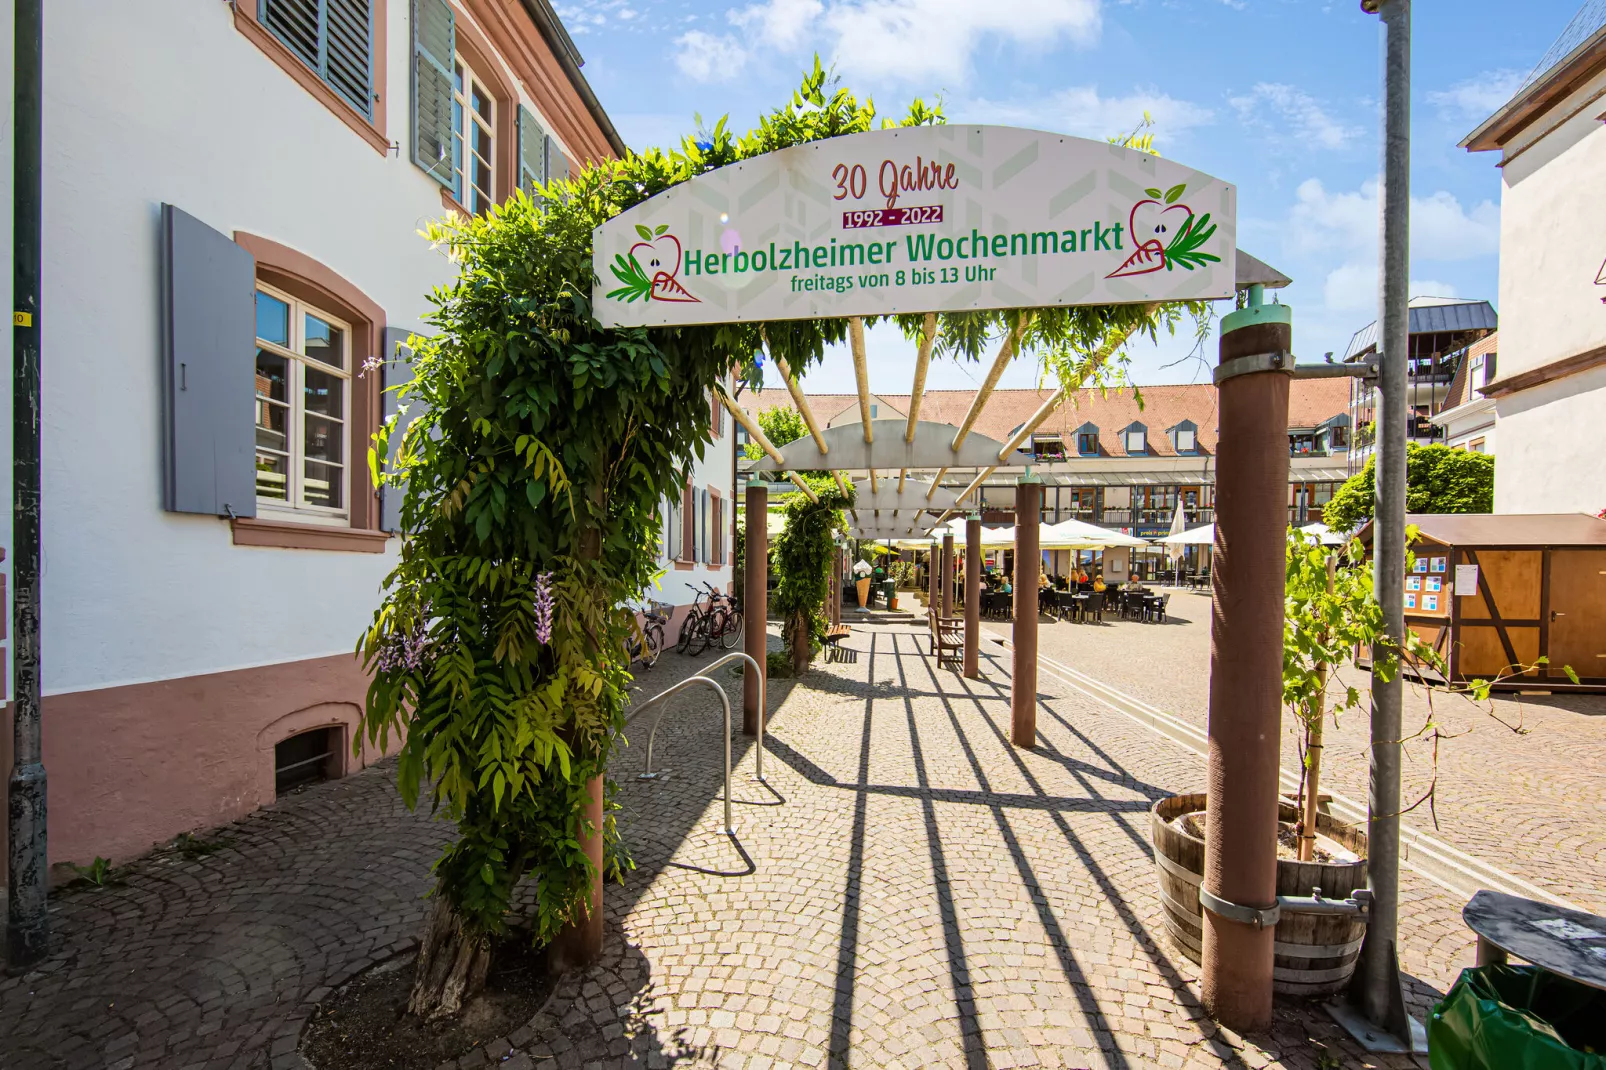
[[1137, 441], [302, 408], [473, 140], [1185, 440]]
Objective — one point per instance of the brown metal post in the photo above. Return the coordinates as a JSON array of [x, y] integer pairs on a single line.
[[973, 597], [948, 574], [755, 604], [1246, 643], [836, 587], [932, 577], [580, 942], [1028, 563]]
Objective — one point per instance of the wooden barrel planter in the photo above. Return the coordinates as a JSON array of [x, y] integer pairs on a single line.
[[1315, 953]]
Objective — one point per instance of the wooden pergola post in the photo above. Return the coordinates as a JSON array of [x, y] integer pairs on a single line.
[[948, 574], [1028, 563], [755, 602], [973, 597]]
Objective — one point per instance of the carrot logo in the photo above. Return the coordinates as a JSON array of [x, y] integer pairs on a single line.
[[1166, 234], [655, 280]]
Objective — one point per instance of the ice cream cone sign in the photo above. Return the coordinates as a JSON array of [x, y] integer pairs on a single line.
[[648, 271], [1167, 235]]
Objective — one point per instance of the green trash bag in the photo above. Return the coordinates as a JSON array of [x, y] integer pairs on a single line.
[[1518, 1018]]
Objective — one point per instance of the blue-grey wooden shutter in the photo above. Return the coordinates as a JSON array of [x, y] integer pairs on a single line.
[[532, 151], [434, 46], [397, 370], [333, 37], [557, 164], [208, 318]]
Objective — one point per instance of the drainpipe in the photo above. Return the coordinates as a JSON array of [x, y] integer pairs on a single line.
[[27, 873]]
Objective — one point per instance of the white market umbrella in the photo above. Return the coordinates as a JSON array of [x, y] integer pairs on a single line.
[[1080, 535], [1200, 536], [1179, 524], [1326, 535]]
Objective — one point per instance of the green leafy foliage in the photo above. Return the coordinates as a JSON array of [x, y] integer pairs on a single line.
[[781, 424], [801, 555], [542, 447], [1438, 479]]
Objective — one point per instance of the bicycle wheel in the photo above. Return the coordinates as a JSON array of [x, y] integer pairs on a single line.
[[733, 630], [654, 647], [688, 631], [703, 636]]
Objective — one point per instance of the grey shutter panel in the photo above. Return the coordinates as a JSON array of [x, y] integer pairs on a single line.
[[557, 164], [336, 42], [208, 317], [397, 371], [348, 51], [532, 151], [434, 46]]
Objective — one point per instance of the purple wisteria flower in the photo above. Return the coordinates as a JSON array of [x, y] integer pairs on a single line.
[[543, 607], [406, 651]]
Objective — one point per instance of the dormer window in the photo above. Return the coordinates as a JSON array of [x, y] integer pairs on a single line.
[[1048, 447], [1087, 441], [1185, 437], [1136, 439]]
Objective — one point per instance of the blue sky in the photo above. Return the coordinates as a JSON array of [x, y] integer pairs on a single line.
[[1277, 96]]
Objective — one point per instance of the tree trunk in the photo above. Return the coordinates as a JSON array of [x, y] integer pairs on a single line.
[[1313, 750], [452, 965], [799, 643]]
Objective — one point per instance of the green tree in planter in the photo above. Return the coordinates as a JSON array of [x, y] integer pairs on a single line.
[[1438, 479], [802, 555], [1331, 614]]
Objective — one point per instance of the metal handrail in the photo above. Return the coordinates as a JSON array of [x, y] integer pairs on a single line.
[[703, 677]]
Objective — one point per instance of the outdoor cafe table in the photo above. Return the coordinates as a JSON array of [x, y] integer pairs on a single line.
[[1570, 943]]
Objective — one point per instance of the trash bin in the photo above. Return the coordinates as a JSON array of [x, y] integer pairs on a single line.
[[1518, 1018], [889, 590]]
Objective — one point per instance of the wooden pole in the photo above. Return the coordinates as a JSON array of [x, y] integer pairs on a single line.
[[1028, 563], [1246, 642], [948, 574], [973, 597], [755, 604]]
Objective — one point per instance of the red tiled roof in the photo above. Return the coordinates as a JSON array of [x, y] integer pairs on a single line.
[[1311, 402]]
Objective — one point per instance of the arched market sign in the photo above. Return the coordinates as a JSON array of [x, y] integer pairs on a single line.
[[919, 219]]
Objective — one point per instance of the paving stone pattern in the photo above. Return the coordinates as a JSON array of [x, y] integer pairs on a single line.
[[1529, 802], [905, 889]]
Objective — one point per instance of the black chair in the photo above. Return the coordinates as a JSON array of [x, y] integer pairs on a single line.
[[1093, 606]]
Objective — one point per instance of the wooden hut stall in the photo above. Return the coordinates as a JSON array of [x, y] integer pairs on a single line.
[[1492, 592]]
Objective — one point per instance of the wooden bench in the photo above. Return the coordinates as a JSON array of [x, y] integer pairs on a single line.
[[947, 636], [837, 634]]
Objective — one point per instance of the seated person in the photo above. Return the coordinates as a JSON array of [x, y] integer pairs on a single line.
[[1098, 585], [1006, 587]]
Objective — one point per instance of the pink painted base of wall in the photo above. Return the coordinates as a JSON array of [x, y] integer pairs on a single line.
[[132, 767]]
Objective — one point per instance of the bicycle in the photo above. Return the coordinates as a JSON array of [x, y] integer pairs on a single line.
[[719, 621], [648, 644]]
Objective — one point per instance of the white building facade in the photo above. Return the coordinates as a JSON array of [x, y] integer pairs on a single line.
[[1550, 390], [233, 195]]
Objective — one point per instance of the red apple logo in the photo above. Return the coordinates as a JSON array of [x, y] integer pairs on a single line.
[[648, 271], [1166, 233]]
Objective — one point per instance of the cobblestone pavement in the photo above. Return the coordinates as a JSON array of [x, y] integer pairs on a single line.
[[904, 889], [1532, 803]]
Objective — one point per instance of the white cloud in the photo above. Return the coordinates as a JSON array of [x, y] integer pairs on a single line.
[[706, 57], [780, 23], [1441, 228], [1478, 97], [1081, 110], [906, 40], [1353, 288], [1300, 114]]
